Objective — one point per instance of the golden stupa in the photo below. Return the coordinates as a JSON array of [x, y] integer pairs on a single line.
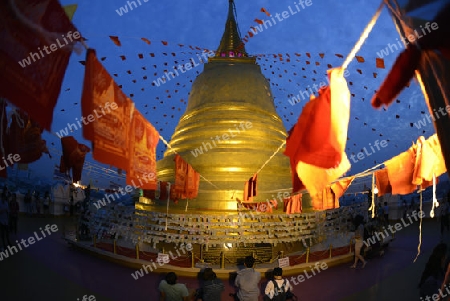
[[231, 118]]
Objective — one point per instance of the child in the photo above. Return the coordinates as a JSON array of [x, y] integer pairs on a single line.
[[277, 288]]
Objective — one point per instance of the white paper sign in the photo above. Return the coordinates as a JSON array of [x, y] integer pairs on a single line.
[[283, 262]]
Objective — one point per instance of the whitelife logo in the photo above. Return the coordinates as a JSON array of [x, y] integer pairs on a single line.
[[124, 9], [128, 189], [140, 273], [380, 236], [182, 68], [31, 240], [86, 120], [391, 48], [199, 150], [53, 47]]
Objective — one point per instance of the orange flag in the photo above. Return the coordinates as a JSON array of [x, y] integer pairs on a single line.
[[316, 144], [341, 186], [429, 161], [107, 113], [143, 140], [400, 171]]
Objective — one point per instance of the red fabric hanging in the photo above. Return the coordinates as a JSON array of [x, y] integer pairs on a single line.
[[178, 190], [316, 144], [293, 204], [340, 187], [149, 194], [25, 139], [382, 180], [250, 189], [399, 76], [400, 172], [408, 61], [192, 182], [108, 111], [163, 193], [31, 77], [142, 163], [73, 157]]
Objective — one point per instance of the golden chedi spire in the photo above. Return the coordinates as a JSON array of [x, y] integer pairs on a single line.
[[229, 130], [231, 44]]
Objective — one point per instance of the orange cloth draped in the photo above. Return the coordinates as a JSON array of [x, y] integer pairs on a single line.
[[400, 172], [429, 161], [316, 144], [416, 166], [382, 180], [24, 139], [73, 157], [326, 200], [33, 84], [108, 111], [143, 140], [250, 188], [340, 187], [293, 204]]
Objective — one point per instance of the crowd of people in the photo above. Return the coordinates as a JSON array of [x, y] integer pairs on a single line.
[[246, 283], [9, 216], [35, 205]]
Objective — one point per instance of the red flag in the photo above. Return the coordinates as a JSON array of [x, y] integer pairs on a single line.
[[142, 164], [107, 111], [73, 156], [146, 41], [401, 73], [192, 182], [179, 188], [265, 11], [341, 186], [316, 144], [250, 189], [32, 75], [116, 40], [382, 180], [24, 138]]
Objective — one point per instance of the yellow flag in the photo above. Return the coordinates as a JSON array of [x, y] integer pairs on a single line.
[[70, 10]]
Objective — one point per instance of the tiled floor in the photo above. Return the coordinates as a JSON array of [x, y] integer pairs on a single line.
[[51, 270]]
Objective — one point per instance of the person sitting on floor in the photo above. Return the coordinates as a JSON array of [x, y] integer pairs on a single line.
[[277, 288], [247, 281], [171, 290]]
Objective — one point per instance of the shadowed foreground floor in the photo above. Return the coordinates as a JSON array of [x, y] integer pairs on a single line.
[[51, 270]]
